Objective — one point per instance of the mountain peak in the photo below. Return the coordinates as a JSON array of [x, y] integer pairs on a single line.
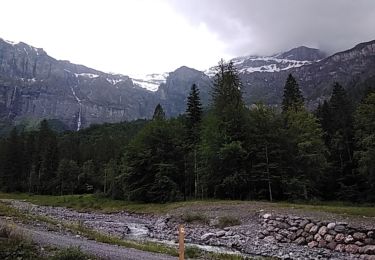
[[302, 53]]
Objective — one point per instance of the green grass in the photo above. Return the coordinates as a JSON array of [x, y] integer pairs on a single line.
[[93, 203], [332, 207]]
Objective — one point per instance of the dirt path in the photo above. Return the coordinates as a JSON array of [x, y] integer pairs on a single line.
[[102, 250]]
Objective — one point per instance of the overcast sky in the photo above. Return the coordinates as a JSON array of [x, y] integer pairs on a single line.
[[136, 37]]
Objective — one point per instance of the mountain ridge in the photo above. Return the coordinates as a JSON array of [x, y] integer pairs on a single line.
[[35, 85]]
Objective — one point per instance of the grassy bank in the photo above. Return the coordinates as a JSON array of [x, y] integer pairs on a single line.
[[90, 202]]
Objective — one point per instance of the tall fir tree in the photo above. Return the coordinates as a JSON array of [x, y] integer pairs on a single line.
[[292, 98], [159, 113], [193, 124], [228, 145], [365, 143]]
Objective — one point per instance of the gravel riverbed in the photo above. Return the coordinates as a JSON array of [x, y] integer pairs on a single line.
[[242, 238]]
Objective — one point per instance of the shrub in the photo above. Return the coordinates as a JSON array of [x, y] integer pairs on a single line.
[[228, 221], [195, 218]]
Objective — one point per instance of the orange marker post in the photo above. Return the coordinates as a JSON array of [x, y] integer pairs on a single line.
[[181, 242]]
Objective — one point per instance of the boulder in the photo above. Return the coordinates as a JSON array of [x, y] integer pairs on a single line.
[[369, 250], [340, 237], [369, 241], [359, 236], [308, 227], [371, 234], [340, 248], [270, 239], [312, 244], [340, 228], [207, 236], [328, 238], [322, 243], [332, 245], [309, 238], [267, 216], [314, 229], [323, 230], [300, 241], [221, 233], [331, 225], [303, 223], [317, 237], [349, 239], [299, 232], [352, 249]]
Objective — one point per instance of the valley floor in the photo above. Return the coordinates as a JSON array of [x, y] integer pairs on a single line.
[[228, 228]]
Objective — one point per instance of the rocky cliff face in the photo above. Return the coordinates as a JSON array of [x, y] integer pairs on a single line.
[[316, 77], [33, 85], [174, 92]]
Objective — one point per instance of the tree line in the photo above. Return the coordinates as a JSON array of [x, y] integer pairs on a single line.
[[226, 151]]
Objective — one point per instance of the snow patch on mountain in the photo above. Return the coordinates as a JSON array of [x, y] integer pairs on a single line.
[[87, 75], [150, 81]]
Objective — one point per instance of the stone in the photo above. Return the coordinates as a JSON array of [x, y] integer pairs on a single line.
[[369, 250], [328, 238], [322, 243], [323, 230], [349, 239], [342, 223], [314, 229], [332, 245], [340, 238], [369, 241], [309, 238], [317, 237], [340, 248], [371, 234], [340, 228], [270, 239], [331, 225], [278, 237], [304, 223], [292, 236], [332, 232], [359, 236], [293, 229], [207, 236], [312, 244], [308, 227], [352, 249], [359, 243], [221, 233], [267, 216], [300, 241], [299, 232]]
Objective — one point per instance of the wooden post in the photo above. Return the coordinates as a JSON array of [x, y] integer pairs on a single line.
[[181, 245]]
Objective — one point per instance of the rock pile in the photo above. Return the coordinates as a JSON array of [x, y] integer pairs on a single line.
[[338, 236]]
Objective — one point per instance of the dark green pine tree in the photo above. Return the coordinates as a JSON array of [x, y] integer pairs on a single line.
[[224, 149], [228, 104], [159, 113], [341, 143], [47, 160], [12, 168], [292, 98], [193, 122], [365, 144], [193, 115]]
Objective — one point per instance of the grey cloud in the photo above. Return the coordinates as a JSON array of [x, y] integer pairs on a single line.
[[269, 26]]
